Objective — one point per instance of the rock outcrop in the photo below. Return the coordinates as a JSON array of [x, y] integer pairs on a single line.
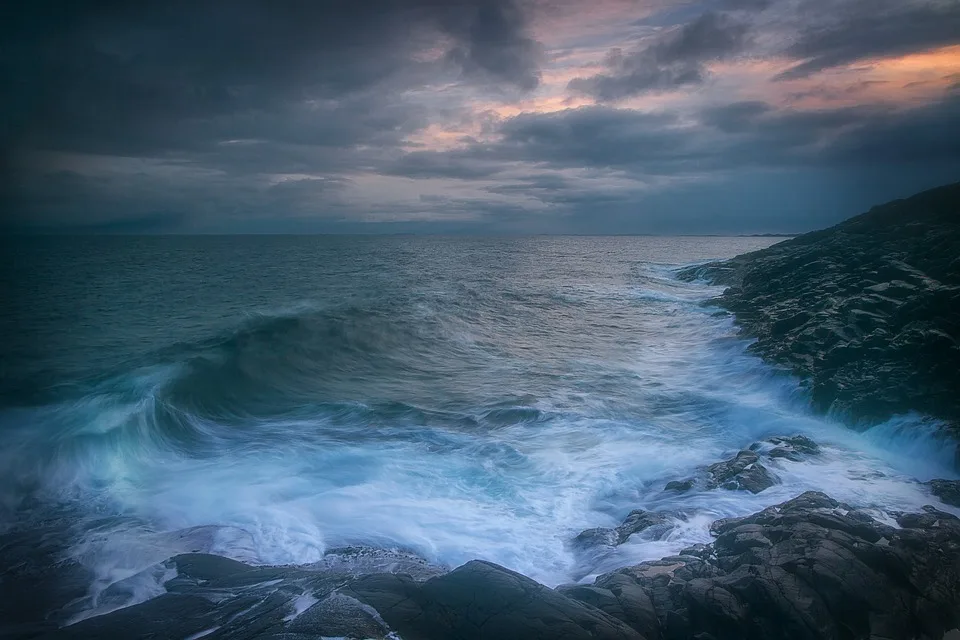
[[867, 312], [810, 568]]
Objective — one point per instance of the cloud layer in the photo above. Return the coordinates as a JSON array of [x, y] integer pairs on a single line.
[[480, 116]]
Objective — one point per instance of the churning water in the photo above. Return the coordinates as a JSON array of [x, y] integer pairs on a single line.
[[267, 398]]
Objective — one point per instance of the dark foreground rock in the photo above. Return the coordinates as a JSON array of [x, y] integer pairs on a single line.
[[867, 311], [810, 568], [483, 600]]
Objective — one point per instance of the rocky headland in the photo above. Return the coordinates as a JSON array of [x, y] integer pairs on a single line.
[[866, 312]]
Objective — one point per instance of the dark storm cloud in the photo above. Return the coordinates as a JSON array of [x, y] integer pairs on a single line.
[[674, 59], [492, 41], [747, 5], [861, 29], [295, 115], [129, 78]]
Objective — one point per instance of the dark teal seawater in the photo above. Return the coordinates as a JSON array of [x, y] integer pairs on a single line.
[[458, 397]]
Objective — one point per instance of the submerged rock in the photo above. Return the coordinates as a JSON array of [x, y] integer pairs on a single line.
[[680, 486], [865, 311], [743, 471]]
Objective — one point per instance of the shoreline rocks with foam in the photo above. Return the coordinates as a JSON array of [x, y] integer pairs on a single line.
[[808, 568]]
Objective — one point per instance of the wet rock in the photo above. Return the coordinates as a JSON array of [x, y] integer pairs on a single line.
[[864, 311], [742, 472], [698, 550], [656, 524], [809, 568], [680, 486], [947, 490], [360, 560], [597, 537], [339, 616], [224, 598], [483, 600], [793, 448], [637, 521]]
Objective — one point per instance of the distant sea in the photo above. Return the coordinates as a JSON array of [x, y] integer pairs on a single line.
[[268, 397]]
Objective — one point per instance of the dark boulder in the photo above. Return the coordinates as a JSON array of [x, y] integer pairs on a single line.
[[483, 600]]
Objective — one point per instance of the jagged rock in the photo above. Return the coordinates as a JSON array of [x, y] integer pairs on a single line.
[[810, 568], [743, 471], [946, 490], [865, 311]]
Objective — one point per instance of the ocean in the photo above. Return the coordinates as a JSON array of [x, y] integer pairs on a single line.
[[268, 398]]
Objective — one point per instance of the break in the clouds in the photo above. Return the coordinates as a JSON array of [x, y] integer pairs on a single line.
[[486, 116]]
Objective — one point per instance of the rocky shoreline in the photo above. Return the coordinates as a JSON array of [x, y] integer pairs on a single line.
[[808, 568], [867, 312]]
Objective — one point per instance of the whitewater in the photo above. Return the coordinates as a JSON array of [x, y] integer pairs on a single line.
[[270, 399]]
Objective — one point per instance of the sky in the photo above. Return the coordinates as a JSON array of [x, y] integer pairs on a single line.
[[472, 116]]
